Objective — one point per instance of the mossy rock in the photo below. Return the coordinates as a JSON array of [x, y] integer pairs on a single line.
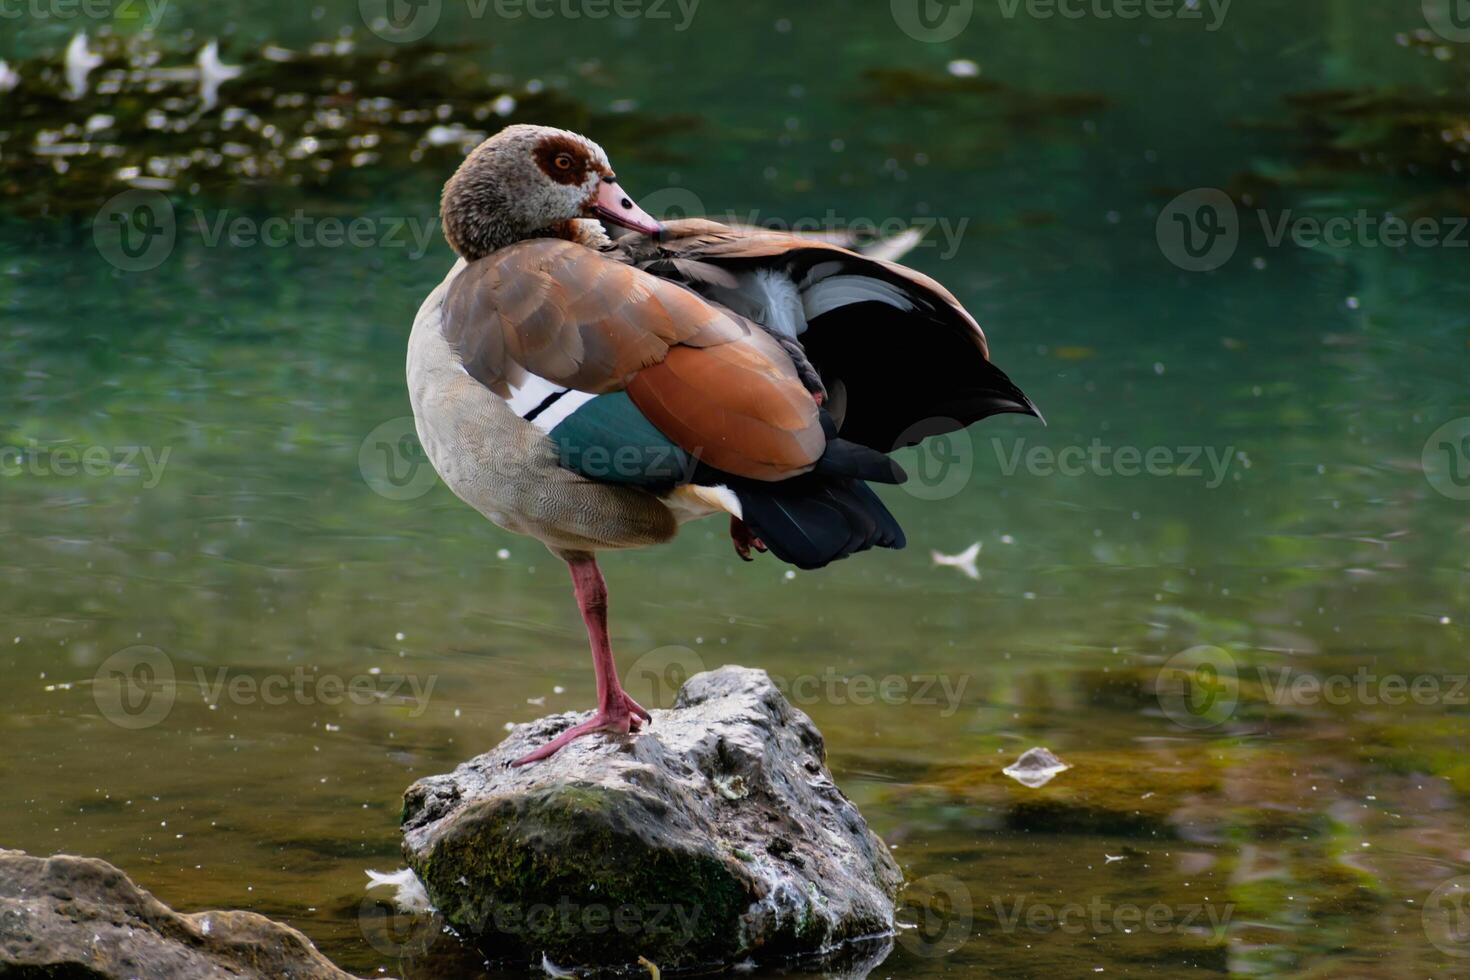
[[549, 871], [713, 836], [77, 917]]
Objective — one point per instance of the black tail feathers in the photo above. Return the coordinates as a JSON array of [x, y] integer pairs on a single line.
[[851, 459], [846, 458], [813, 520]]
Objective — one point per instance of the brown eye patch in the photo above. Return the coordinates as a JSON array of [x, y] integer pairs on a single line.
[[563, 159]]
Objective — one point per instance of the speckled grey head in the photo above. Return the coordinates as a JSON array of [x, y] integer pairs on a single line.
[[528, 182]]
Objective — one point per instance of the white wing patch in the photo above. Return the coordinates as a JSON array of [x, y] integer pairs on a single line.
[[836, 292], [554, 401], [531, 393], [784, 308], [557, 412], [768, 297], [895, 248]]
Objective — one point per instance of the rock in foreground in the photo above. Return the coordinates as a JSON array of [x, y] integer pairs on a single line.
[[713, 836], [82, 918]]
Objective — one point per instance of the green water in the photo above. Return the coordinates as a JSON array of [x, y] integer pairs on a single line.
[[257, 541]]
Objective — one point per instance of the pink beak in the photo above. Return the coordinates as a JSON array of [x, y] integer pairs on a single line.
[[618, 208]]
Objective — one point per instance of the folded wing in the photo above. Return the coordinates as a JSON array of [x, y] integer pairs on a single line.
[[901, 358], [553, 317]]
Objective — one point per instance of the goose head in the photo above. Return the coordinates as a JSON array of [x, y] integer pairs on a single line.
[[533, 182]]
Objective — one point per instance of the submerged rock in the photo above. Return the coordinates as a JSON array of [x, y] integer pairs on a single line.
[[714, 836], [1161, 792], [142, 112], [79, 917]]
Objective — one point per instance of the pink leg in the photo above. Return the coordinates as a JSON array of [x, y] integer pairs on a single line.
[[616, 712]]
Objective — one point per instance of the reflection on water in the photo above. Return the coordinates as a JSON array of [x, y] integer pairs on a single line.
[[1227, 585]]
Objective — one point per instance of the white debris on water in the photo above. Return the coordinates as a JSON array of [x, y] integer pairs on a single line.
[[964, 561], [1036, 768], [80, 60], [409, 894], [212, 74]]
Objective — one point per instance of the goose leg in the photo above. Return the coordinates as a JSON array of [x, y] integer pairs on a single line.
[[744, 539], [616, 711]]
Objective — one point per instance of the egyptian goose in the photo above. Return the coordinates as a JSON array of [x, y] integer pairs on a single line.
[[597, 393]]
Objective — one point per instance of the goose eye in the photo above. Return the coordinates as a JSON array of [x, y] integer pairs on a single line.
[[563, 161]]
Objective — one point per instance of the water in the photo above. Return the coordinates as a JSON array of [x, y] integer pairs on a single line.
[[1269, 827]]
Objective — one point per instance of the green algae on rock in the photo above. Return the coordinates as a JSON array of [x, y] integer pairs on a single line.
[[616, 849]]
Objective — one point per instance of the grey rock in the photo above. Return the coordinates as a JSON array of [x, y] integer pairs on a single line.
[[82, 918], [714, 836]]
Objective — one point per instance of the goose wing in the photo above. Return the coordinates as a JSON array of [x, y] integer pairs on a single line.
[[902, 358], [549, 317]]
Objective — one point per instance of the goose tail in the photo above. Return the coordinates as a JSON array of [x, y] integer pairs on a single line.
[[818, 518]]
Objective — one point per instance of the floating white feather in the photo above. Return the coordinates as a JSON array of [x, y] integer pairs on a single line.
[[552, 970], [212, 74], [80, 60], [964, 561], [409, 894]]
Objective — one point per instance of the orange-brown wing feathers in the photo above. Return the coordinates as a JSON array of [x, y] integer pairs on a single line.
[[572, 316], [714, 383], [739, 407]]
